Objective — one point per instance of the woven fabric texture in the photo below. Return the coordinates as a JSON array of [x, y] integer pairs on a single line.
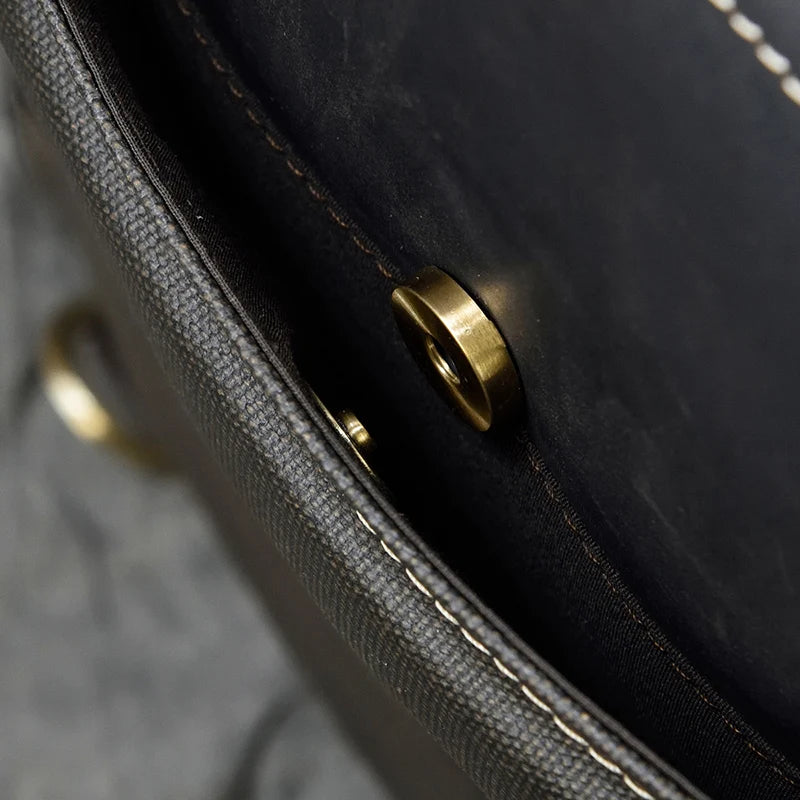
[[517, 730]]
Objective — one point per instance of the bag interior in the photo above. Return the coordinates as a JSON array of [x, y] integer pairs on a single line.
[[631, 525]]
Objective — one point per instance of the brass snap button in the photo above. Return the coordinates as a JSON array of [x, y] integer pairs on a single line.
[[350, 428], [458, 347], [356, 435]]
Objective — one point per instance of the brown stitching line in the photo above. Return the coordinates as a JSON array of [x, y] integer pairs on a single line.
[[504, 670], [361, 244], [317, 195], [255, 120], [555, 498], [384, 271], [294, 169], [336, 218]]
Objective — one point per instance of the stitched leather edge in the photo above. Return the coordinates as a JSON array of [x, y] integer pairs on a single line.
[[471, 637], [235, 89], [746, 29]]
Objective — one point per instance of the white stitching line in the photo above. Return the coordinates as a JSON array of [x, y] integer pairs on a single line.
[[576, 737], [745, 27], [474, 642], [777, 63], [416, 581], [604, 761], [634, 787], [536, 700], [445, 613], [120, 146], [390, 552], [504, 670]]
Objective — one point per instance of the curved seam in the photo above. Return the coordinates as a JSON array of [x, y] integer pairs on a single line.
[[257, 121], [506, 671], [769, 58], [773, 61], [501, 667], [416, 582], [569, 518]]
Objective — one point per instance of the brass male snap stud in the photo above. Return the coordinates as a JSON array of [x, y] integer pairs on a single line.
[[459, 348], [356, 435], [352, 431]]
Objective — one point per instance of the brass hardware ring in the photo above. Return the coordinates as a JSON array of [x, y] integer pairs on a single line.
[[459, 348], [71, 397]]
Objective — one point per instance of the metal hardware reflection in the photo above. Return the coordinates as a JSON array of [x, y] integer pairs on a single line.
[[74, 401], [459, 348]]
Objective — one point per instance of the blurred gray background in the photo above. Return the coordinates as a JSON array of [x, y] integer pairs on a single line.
[[133, 661]]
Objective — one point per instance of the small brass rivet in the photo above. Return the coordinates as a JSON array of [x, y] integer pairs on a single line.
[[459, 348], [352, 431]]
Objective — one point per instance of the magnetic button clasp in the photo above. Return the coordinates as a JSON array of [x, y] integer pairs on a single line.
[[459, 348]]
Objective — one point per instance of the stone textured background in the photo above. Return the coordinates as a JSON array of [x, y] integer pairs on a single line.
[[133, 663]]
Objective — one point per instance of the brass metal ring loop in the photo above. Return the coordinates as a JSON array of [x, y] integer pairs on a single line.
[[74, 401], [459, 348]]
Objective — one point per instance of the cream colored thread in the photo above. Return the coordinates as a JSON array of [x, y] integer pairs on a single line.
[[362, 519], [549, 487], [604, 762], [416, 581], [474, 642], [790, 85], [745, 27], [638, 789], [772, 60], [390, 552], [540, 704], [445, 613], [505, 671], [576, 737], [791, 88]]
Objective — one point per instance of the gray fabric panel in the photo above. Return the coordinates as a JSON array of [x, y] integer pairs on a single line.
[[134, 663], [438, 652]]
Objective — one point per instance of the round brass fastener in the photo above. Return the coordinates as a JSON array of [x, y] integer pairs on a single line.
[[356, 435], [352, 431], [459, 348]]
